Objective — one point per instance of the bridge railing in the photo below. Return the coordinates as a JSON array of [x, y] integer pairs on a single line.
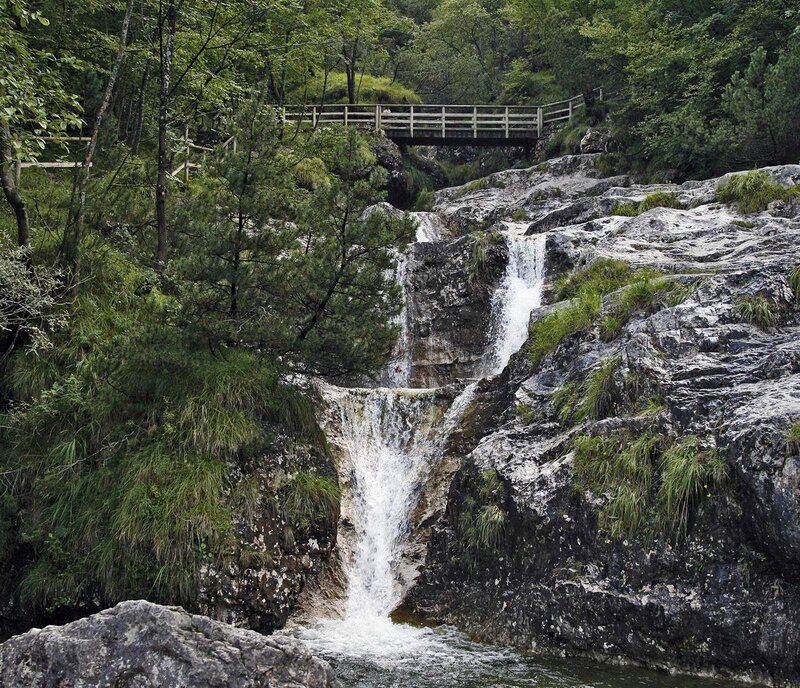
[[439, 121]]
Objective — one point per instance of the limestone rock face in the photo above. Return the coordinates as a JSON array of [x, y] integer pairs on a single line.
[[723, 596], [143, 645]]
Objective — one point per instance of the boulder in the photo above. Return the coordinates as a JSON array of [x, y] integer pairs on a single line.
[[596, 140], [143, 645]]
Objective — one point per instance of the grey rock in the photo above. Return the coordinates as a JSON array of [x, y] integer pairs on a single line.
[[596, 140], [142, 645]]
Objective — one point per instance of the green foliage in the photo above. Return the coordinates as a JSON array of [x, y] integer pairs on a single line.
[[603, 276], [546, 334], [483, 521], [659, 199], [425, 201], [309, 497], [600, 393], [794, 283], [483, 245], [472, 187], [369, 89], [793, 438], [758, 311], [648, 486], [688, 473], [751, 191]]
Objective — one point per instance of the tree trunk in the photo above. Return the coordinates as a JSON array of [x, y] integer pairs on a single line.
[[136, 134], [10, 190], [166, 55], [83, 173]]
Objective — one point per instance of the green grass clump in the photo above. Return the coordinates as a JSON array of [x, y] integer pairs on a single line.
[[603, 276], [752, 191], [793, 438], [425, 201], [546, 334], [471, 187], [758, 311], [688, 473], [649, 486], [483, 521], [369, 89], [794, 283], [625, 209], [482, 245], [489, 527], [659, 199], [600, 392], [309, 498]]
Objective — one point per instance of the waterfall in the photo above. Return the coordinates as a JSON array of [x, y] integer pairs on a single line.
[[519, 294], [398, 372], [391, 440]]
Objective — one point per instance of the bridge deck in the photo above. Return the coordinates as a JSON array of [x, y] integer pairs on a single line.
[[442, 124]]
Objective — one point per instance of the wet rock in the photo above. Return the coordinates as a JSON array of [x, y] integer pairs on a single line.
[[145, 645]]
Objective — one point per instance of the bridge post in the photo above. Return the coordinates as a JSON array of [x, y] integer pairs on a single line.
[[346, 113], [539, 120], [377, 118], [506, 118], [444, 120], [475, 121], [570, 109], [411, 121], [313, 116]]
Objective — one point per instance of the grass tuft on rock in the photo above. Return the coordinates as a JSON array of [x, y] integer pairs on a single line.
[[757, 310], [793, 439], [546, 334], [752, 191], [794, 283]]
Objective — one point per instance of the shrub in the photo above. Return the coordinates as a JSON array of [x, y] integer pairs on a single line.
[[750, 192], [688, 473], [758, 311], [370, 89]]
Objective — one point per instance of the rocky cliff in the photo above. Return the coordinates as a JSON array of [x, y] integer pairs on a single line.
[[630, 486]]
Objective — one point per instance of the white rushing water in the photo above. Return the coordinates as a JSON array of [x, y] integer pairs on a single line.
[[393, 439], [519, 294]]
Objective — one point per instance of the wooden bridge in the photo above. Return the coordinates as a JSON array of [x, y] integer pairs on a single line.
[[438, 125]]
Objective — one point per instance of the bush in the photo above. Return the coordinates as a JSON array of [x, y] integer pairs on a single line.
[[625, 209], [751, 192], [758, 311]]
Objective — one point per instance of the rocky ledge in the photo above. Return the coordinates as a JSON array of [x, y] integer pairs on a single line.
[[632, 489], [145, 645]]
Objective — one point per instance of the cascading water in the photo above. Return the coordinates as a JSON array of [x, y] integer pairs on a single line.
[[519, 294], [392, 440]]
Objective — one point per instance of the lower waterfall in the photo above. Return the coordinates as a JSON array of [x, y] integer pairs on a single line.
[[392, 440]]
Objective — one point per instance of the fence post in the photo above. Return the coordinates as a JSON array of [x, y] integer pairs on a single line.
[[234, 144], [188, 152], [346, 115], [444, 122], [475, 121], [411, 121], [539, 120], [377, 118], [507, 123], [313, 116]]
